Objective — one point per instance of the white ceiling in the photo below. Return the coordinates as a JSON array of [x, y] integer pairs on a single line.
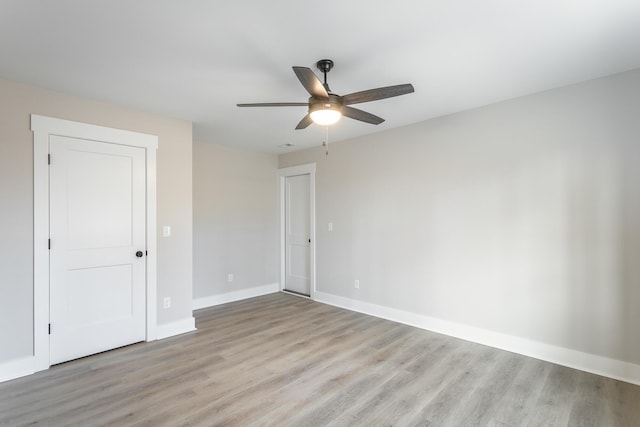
[[195, 59]]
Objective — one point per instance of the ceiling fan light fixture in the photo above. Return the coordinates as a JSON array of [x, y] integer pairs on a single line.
[[325, 107], [325, 116], [325, 112]]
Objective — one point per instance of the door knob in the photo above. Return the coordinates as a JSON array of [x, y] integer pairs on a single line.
[[139, 254]]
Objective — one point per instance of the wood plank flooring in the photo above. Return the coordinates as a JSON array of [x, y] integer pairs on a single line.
[[280, 360]]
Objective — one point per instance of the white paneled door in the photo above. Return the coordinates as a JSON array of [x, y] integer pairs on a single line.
[[97, 255], [297, 234]]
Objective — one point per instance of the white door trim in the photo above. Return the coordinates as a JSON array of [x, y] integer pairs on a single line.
[[42, 127], [306, 169]]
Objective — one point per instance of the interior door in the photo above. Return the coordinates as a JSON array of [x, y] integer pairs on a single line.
[[97, 255], [297, 234]]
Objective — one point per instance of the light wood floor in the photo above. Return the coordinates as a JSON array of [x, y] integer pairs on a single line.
[[281, 360]]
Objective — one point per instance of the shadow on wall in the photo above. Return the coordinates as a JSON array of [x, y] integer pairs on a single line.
[[629, 260], [599, 247]]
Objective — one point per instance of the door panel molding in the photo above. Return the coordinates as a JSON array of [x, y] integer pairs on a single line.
[[43, 127], [306, 169]]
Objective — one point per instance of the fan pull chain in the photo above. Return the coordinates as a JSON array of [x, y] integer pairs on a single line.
[[325, 143]]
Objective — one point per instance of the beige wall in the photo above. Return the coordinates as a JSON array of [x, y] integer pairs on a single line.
[[235, 219], [174, 193], [522, 217]]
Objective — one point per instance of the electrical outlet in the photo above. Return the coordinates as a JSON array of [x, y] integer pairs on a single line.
[[230, 277], [356, 284], [166, 302]]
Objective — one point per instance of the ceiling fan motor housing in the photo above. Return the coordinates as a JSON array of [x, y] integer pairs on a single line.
[[334, 102], [325, 111]]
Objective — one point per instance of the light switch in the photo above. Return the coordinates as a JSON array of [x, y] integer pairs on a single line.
[[330, 226], [166, 231]]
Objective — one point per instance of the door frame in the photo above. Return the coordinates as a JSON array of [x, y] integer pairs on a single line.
[[306, 169], [42, 127]]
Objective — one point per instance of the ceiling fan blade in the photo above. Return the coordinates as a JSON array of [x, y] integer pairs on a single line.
[[311, 82], [305, 122], [375, 94], [363, 116], [275, 104]]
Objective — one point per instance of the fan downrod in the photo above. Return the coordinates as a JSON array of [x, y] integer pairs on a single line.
[[325, 65]]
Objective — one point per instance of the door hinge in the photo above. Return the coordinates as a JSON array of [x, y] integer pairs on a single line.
[[49, 243], [49, 159], [49, 328]]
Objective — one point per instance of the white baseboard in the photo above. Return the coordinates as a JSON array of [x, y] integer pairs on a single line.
[[17, 368], [27, 365], [612, 368], [238, 295], [176, 328]]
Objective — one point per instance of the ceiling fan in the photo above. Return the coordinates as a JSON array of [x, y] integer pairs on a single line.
[[326, 107]]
